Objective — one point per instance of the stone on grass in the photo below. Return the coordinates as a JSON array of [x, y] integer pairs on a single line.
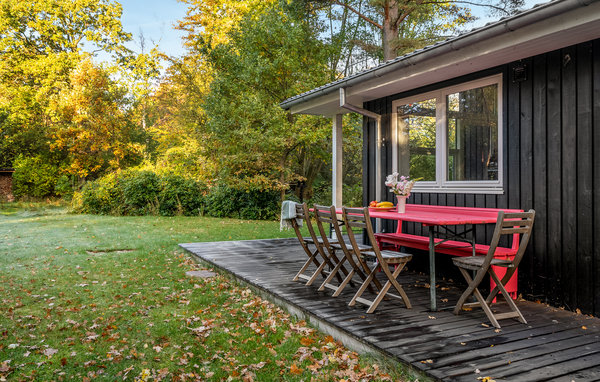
[[203, 274]]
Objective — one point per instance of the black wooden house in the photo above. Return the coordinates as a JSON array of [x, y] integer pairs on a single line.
[[505, 116]]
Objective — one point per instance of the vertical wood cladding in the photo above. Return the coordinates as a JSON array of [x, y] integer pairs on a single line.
[[551, 128]]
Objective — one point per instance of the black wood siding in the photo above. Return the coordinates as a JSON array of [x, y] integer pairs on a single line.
[[551, 127]]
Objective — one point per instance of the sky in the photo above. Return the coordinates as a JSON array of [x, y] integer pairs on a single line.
[[155, 19]]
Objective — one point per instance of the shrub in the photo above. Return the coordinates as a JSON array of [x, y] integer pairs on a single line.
[[180, 196], [64, 187], [140, 192], [137, 192], [101, 196], [34, 176], [225, 201]]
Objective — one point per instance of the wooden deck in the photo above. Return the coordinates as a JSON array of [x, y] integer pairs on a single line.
[[554, 345]]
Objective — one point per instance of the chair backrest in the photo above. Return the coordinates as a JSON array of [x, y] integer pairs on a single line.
[[512, 223], [329, 215], [323, 215], [303, 213], [359, 218]]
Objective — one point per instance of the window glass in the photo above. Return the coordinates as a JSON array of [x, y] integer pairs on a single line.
[[416, 139], [472, 123]]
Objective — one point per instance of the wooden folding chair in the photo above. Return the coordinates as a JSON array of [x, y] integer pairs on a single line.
[[359, 218], [303, 213], [323, 216], [327, 215], [520, 223]]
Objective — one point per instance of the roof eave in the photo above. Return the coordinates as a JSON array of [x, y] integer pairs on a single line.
[[510, 39]]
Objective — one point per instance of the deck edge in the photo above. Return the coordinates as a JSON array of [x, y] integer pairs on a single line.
[[346, 338]]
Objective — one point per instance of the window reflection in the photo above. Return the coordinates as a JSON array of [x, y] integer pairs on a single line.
[[472, 118], [416, 139]]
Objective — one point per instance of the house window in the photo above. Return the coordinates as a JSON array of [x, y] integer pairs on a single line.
[[450, 138]]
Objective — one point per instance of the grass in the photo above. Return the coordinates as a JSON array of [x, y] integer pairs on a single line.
[[97, 297]]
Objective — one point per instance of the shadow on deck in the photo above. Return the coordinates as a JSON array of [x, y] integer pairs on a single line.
[[554, 345]]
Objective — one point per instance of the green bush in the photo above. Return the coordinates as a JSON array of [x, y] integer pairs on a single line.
[[180, 196], [102, 196], [225, 201], [34, 176], [64, 187], [137, 192], [140, 193]]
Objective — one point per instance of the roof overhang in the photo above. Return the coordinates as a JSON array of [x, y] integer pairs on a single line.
[[539, 30]]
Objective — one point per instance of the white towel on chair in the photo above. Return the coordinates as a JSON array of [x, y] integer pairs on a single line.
[[288, 212]]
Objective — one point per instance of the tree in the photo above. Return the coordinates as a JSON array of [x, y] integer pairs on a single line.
[[93, 127], [41, 42], [254, 64], [178, 118], [41, 27], [406, 25]]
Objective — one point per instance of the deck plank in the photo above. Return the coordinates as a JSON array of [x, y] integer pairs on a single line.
[[559, 344]]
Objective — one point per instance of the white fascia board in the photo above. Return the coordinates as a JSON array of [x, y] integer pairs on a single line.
[[327, 105], [459, 58]]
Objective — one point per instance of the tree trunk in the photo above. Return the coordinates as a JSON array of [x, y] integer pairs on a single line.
[[390, 30]]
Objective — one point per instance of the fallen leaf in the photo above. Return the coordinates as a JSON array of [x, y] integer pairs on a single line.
[[50, 352], [257, 366], [295, 369]]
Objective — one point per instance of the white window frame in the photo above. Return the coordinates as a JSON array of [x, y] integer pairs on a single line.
[[442, 184]]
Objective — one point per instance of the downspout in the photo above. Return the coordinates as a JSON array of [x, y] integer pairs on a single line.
[[377, 118]]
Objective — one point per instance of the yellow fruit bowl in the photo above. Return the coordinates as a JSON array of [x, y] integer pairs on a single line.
[[380, 209]]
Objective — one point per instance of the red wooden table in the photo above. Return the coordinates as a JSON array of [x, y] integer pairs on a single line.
[[437, 217]]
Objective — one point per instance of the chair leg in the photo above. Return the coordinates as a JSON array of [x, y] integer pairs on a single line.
[[507, 297], [341, 267], [396, 284], [364, 286], [316, 274], [467, 293], [341, 287], [486, 308], [391, 281], [492, 295], [334, 273], [366, 269], [311, 259]]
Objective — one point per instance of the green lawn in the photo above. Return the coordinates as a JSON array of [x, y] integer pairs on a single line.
[[99, 297]]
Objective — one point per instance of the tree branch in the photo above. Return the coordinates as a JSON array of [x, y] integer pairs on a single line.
[[500, 9], [358, 13]]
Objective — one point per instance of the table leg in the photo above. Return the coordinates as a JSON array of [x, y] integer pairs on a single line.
[[432, 296]]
